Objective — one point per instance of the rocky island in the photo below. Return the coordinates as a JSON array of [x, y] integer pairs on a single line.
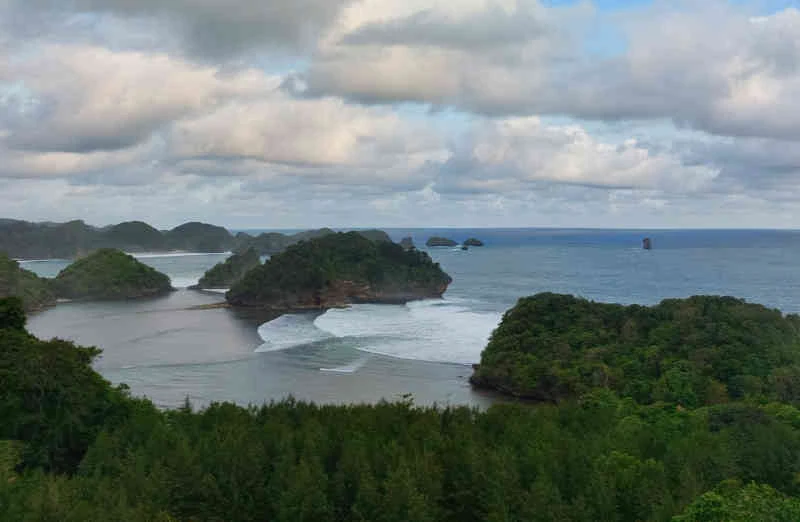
[[699, 351], [436, 241], [225, 274], [472, 242], [35, 292], [110, 274], [337, 270]]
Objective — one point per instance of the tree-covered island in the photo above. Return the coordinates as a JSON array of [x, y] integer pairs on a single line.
[[336, 270]]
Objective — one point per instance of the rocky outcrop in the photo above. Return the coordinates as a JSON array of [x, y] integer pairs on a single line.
[[407, 243], [35, 292], [110, 274], [229, 272], [472, 242], [440, 242], [338, 270]]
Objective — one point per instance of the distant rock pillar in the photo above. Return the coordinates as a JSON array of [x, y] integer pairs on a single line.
[[647, 244]]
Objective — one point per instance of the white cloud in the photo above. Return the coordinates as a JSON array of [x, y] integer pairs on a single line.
[[91, 98], [505, 155]]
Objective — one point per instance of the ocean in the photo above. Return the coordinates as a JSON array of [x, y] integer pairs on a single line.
[[422, 351]]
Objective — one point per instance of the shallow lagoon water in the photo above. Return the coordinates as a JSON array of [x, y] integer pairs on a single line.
[[163, 349]]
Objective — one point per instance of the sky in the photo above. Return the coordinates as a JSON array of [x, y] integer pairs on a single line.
[[402, 113]]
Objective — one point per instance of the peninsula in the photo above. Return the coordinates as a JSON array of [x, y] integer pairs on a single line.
[[337, 270]]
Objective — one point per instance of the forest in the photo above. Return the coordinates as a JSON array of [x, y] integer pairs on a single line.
[[703, 350], [75, 448]]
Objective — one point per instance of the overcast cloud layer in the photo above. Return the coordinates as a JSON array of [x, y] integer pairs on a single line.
[[299, 113]]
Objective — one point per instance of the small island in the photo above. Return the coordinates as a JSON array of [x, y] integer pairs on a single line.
[[225, 274], [437, 241], [695, 352], [472, 242], [337, 270], [109, 274], [36, 293]]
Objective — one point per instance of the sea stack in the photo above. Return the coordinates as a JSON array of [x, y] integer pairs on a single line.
[[647, 244]]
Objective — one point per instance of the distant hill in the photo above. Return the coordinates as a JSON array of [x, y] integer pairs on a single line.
[[336, 270], [26, 240], [135, 236]]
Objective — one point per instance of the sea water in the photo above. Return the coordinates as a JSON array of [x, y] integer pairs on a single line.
[[168, 350]]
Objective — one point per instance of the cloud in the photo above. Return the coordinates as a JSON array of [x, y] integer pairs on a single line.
[[508, 155], [212, 29], [316, 132], [84, 99], [713, 67]]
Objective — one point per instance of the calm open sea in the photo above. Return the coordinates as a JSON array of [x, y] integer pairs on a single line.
[[370, 352]]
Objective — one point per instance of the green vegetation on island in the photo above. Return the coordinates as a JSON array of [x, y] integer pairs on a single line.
[[338, 269], [74, 448], [110, 274], [698, 351], [436, 241], [225, 274], [36, 292]]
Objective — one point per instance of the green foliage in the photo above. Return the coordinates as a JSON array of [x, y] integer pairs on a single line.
[[336, 269], [731, 502], [73, 448], [50, 397], [697, 351], [12, 314], [36, 293], [110, 274], [225, 274]]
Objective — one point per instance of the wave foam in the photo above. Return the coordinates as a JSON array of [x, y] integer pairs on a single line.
[[289, 331], [433, 330], [347, 368]]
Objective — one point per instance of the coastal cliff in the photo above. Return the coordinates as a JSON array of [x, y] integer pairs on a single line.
[[110, 274], [337, 270]]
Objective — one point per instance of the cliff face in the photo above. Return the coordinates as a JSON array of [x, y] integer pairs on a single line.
[[338, 270], [110, 274]]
